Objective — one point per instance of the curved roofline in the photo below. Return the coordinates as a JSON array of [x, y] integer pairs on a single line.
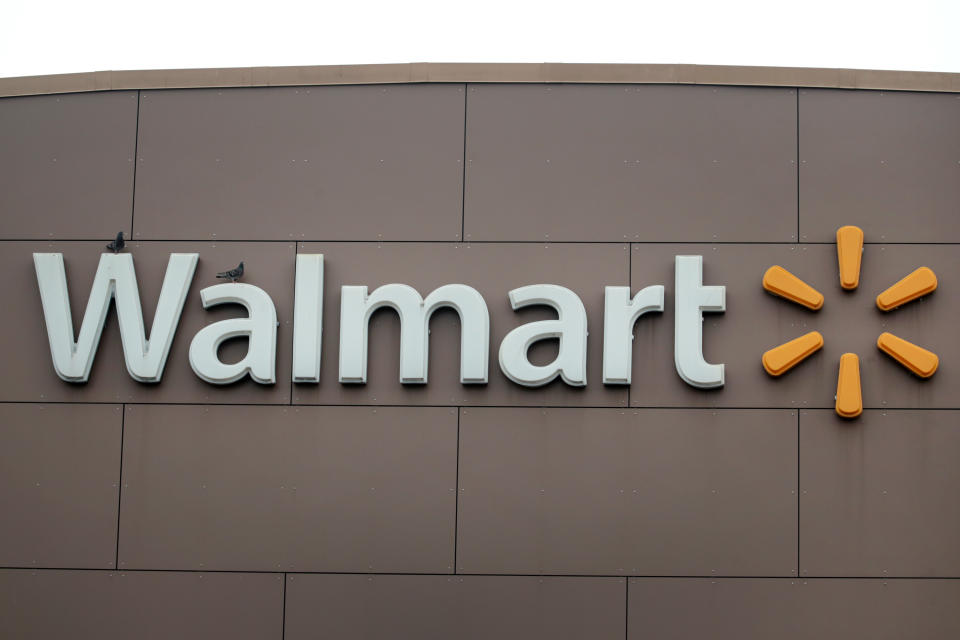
[[420, 72]]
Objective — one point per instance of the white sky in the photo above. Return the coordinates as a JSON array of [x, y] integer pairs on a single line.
[[40, 37]]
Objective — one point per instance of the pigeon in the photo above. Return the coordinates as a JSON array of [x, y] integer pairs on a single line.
[[232, 274], [118, 244]]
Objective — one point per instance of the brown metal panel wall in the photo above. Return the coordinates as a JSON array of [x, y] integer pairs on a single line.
[[849, 322], [346, 489], [59, 479], [886, 161], [880, 499], [751, 609], [617, 163], [311, 163], [614, 492], [495, 479], [467, 607], [66, 165], [104, 605], [269, 265], [493, 269]]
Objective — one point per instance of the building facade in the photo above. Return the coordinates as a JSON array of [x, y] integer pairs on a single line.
[[321, 508]]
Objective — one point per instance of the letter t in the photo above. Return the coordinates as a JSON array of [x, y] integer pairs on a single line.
[[692, 299]]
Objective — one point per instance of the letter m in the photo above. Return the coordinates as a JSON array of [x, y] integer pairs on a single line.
[[356, 307]]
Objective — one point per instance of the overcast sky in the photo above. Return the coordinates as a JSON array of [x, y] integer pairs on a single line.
[[41, 37]]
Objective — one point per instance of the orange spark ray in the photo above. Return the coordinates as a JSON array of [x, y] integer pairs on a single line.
[[781, 359], [917, 284], [849, 398], [915, 358], [781, 282], [849, 254]]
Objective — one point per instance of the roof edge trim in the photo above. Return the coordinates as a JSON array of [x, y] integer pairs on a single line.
[[442, 72]]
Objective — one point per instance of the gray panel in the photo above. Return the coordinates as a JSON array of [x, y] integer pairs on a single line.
[[880, 498], [887, 161], [674, 609], [641, 492], [66, 165], [493, 269], [320, 163], [59, 475], [24, 341], [104, 605], [604, 162], [298, 489], [370, 607], [756, 321]]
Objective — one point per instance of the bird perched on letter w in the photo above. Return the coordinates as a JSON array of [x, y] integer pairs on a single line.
[[118, 244], [233, 274]]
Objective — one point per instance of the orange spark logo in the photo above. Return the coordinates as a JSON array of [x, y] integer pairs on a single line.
[[849, 399]]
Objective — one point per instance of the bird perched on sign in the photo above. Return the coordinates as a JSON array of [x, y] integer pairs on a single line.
[[233, 274], [118, 244]]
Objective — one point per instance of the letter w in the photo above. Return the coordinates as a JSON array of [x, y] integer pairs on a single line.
[[115, 280]]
